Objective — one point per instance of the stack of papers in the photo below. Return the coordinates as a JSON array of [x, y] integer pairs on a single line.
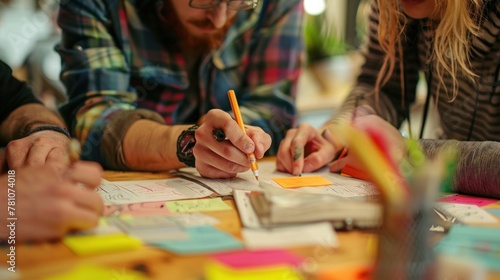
[[274, 209]]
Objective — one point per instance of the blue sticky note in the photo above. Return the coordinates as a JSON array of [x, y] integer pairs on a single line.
[[495, 212], [479, 244], [205, 239]]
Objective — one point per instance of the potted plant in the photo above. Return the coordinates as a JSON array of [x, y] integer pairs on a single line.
[[325, 50]]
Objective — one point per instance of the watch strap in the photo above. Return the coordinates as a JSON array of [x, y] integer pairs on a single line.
[[188, 160]]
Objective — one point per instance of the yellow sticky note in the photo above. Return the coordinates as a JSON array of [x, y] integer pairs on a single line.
[[89, 244], [217, 271], [85, 272], [197, 205], [303, 181]]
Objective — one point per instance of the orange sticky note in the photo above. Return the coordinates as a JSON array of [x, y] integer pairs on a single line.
[[347, 272], [304, 181]]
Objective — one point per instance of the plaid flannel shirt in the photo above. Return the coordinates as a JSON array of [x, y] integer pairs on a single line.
[[116, 71]]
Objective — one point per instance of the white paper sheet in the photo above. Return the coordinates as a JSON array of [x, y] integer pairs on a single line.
[[125, 192], [341, 185], [317, 234], [466, 213]]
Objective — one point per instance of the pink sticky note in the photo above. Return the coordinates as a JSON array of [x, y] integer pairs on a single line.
[[138, 209], [258, 258], [464, 199]]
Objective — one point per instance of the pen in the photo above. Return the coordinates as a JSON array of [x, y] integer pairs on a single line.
[[239, 120], [74, 150], [342, 154]]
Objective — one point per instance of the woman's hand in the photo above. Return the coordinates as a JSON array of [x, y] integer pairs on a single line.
[[305, 149]]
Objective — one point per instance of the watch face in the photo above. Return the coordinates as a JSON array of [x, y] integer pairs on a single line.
[[187, 144]]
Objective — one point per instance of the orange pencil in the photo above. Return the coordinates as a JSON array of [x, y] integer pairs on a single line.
[[342, 154], [237, 115]]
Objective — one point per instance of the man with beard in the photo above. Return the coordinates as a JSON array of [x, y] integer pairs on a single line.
[[147, 80]]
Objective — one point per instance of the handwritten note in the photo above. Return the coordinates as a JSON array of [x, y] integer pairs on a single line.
[[338, 186], [137, 209], [466, 213], [197, 205], [303, 181], [127, 192]]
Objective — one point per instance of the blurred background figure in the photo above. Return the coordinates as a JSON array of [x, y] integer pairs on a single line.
[[28, 35]]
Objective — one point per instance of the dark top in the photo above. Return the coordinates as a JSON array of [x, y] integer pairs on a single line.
[[13, 93]]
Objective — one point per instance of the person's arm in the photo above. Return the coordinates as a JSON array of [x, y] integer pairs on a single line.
[[102, 109], [26, 118], [305, 150], [476, 171], [33, 134], [393, 102]]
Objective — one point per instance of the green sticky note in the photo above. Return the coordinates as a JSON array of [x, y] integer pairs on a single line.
[[85, 272], [98, 244], [197, 205]]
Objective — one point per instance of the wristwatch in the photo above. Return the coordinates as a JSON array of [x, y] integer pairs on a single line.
[[185, 145]]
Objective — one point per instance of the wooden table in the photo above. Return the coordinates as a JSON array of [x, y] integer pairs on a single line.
[[36, 261]]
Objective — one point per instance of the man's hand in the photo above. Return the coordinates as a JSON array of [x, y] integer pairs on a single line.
[[37, 149], [225, 159], [49, 205]]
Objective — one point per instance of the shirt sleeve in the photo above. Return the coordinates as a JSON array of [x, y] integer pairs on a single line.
[[477, 165], [102, 103], [275, 61], [393, 100], [13, 93]]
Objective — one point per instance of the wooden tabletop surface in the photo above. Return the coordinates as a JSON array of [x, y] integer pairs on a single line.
[[36, 261]]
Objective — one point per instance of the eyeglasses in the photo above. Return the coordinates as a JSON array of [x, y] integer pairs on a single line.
[[237, 5]]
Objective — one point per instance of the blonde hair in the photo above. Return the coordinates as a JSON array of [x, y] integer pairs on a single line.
[[458, 22]]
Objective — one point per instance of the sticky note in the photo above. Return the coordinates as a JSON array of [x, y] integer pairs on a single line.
[[463, 199], [303, 181], [258, 258], [352, 171], [495, 212], [137, 209], [204, 239], [197, 205], [478, 244], [88, 244], [350, 271], [85, 272], [249, 265]]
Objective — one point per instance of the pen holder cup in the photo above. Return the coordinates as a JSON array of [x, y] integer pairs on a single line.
[[404, 251]]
